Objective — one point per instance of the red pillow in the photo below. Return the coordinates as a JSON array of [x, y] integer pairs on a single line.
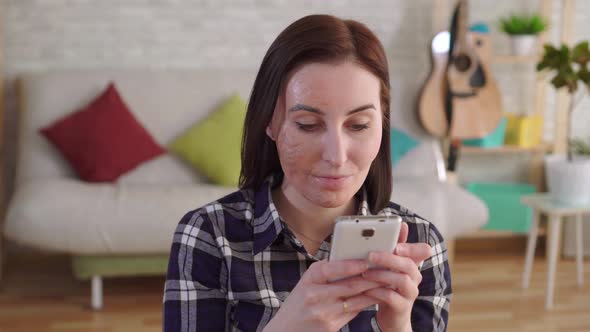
[[103, 140]]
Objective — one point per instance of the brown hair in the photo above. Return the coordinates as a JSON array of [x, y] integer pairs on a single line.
[[314, 38]]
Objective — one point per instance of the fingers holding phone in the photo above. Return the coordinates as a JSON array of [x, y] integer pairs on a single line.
[[392, 263], [349, 287], [316, 304], [331, 293], [400, 277], [418, 252]]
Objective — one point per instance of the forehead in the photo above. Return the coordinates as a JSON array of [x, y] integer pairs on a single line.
[[342, 84]]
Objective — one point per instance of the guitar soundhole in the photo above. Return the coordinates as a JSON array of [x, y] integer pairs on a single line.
[[462, 62]]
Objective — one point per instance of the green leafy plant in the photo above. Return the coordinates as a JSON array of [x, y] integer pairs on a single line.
[[569, 66], [580, 146], [523, 24]]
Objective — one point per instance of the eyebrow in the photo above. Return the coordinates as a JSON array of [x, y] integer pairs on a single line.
[[303, 107]]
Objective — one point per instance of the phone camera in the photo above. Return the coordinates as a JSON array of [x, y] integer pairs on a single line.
[[368, 232]]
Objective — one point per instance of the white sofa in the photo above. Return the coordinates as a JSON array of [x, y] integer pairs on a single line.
[[125, 228]]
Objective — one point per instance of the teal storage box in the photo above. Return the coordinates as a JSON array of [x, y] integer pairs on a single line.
[[494, 139], [503, 202]]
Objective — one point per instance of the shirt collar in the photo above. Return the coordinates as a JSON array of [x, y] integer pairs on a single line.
[[267, 225]]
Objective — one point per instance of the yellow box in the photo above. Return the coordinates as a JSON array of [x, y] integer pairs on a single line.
[[523, 130]]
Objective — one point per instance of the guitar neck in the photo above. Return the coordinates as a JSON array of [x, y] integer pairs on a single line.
[[462, 14]]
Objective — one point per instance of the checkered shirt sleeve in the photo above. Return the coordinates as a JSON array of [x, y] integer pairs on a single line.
[[195, 291]]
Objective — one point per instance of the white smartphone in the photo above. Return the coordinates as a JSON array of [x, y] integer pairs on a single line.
[[355, 237]]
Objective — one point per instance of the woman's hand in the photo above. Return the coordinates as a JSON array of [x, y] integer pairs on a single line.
[[315, 304], [399, 279]]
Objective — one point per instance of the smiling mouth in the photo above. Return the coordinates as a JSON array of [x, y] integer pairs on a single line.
[[332, 182]]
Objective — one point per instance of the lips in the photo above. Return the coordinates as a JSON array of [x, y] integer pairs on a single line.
[[332, 182], [331, 176]]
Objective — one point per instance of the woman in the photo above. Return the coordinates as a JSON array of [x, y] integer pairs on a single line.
[[315, 147]]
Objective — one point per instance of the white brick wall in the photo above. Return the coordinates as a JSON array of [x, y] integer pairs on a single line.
[[40, 34], [83, 33], [581, 126]]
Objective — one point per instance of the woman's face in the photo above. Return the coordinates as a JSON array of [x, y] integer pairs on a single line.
[[327, 127]]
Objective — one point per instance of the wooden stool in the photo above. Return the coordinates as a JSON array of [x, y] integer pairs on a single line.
[[543, 204]]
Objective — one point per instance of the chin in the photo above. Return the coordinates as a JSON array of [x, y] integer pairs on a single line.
[[331, 199]]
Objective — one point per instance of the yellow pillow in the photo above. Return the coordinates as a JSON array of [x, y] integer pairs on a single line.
[[213, 145]]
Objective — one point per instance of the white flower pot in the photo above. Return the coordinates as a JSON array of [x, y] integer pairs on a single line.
[[523, 44], [568, 182]]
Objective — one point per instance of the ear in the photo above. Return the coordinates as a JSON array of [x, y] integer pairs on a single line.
[[269, 132]]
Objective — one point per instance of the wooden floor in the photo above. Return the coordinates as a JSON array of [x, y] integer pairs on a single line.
[[39, 294]]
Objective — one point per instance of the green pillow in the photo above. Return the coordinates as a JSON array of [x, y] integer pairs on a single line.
[[213, 145]]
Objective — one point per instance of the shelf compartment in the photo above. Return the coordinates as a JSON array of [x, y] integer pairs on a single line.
[[505, 149], [515, 59]]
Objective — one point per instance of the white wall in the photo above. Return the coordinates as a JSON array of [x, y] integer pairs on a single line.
[[48, 34]]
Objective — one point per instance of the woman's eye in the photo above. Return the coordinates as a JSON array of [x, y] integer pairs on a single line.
[[359, 127], [307, 126]]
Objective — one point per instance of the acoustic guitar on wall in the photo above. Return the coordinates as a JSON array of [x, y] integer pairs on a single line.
[[460, 100]]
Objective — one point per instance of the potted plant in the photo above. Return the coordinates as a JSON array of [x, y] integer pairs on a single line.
[[581, 148], [523, 31], [568, 177]]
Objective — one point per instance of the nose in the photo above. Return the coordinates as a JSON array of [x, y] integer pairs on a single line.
[[334, 148]]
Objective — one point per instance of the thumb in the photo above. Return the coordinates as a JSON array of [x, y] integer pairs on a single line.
[[417, 252], [403, 233]]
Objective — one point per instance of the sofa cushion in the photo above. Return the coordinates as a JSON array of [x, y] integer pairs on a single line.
[[165, 101], [99, 218], [103, 140], [452, 209], [102, 218], [165, 169], [213, 145]]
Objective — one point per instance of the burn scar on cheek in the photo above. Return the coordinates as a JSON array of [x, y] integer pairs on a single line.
[[290, 147]]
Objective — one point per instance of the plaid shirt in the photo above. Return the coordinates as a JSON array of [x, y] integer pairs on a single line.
[[234, 261]]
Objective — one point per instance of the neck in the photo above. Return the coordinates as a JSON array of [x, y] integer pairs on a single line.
[[305, 217]]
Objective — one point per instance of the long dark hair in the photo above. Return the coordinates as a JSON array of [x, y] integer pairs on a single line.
[[314, 38]]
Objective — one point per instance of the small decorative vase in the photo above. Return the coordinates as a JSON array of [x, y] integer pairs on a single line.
[[523, 45], [568, 182]]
